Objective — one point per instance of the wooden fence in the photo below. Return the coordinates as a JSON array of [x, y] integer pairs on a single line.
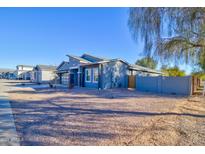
[[131, 81], [196, 84]]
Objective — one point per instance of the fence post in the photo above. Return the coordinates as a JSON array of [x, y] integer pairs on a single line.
[[194, 84], [136, 81], [190, 85]]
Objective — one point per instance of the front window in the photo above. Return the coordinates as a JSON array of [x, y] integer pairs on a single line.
[[95, 75], [88, 75]]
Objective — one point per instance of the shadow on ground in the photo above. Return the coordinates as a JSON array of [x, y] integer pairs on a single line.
[[47, 123], [76, 118]]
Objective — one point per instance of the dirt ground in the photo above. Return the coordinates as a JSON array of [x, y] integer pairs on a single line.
[[82, 116]]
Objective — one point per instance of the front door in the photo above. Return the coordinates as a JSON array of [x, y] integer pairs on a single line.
[[76, 79], [72, 80]]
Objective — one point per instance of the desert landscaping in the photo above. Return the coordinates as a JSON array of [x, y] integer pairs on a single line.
[[82, 116]]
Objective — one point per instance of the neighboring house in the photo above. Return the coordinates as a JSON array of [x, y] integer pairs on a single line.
[[23, 72], [62, 71], [2, 72], [95, 72], [44, 73], [10, 75], [28, 75], [7, 74]]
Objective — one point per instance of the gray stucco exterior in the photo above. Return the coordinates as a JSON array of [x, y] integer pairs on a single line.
[[114, 75]]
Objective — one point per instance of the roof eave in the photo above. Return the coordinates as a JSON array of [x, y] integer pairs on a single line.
[[144, 70]]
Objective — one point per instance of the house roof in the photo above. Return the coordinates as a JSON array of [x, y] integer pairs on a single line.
[[104, 60], [95, 57], [133, 67], [47, 67], [79, 58], [144, 69], [63, 62], [25, 65], [137, 67], [83, 58]]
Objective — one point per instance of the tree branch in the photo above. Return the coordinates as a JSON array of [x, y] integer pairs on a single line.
[[183, 39]]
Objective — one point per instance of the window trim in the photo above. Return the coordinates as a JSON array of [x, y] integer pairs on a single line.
[[94, 75], [89, 70]]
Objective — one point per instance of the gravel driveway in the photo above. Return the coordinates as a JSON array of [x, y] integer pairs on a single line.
[[81, 116]]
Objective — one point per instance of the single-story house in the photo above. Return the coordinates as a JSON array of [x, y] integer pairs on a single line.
[[10, 75], [28, 75], [7, 74], [23, 72], [44, 73], [96, 72]]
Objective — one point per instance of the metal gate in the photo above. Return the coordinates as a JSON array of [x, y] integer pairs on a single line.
[[131, 81]]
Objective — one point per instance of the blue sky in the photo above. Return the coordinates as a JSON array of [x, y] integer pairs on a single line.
[[45, 35]]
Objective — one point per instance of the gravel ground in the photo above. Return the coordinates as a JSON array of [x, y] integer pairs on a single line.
[[46, 116]]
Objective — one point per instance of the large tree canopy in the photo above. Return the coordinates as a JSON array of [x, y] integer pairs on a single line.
[[147, 62], [170, 33], [172, 71]]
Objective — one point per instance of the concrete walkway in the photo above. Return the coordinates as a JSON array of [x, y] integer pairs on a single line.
[[8, 135]]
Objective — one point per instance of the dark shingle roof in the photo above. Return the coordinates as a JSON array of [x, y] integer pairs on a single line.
[[79, 58], [145, 69], [95, 57], [64, 62], [85, 60]]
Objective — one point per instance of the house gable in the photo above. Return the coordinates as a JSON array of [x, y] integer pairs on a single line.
[[64, 66], [37, 68], [73, 62]]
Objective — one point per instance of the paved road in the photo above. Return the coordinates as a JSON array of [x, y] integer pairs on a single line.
[[8, 135]]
